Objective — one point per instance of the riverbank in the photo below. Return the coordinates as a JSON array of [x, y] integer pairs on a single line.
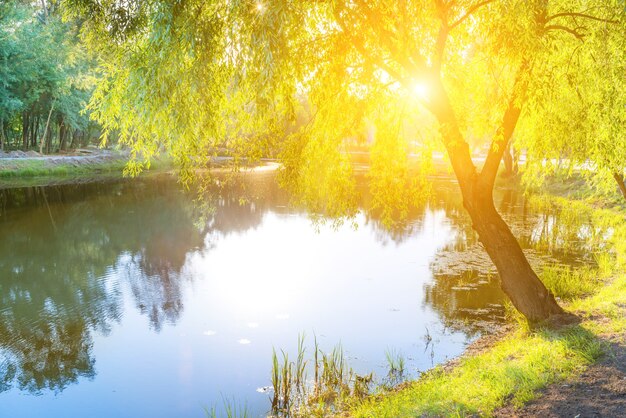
[[22, 169], [539, 372], [17, 164]]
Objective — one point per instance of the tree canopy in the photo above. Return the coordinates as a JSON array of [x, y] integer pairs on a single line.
[[305, 80], [46, 77]]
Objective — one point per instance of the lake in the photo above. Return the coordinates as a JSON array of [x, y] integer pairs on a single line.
[[115, 301]]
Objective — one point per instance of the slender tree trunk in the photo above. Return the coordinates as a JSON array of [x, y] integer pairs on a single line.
[[62, 134], [45, 131], [31, 130], [49, 139], [518, 280], [2, 139], [25, 118], [620, 183]]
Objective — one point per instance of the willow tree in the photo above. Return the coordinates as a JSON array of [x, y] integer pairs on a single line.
[[575, 124], [200, 78]]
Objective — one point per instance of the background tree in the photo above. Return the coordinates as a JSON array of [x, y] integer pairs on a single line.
[[206, 78], [576, 123], [45, 74]]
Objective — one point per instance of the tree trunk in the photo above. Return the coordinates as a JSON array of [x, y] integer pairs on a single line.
[[62, 134], [25, 119], [49, 138], [2, 140], [74, 138], [509, 165], [518, 280], [35, 133], [620, 183], [45, 131]]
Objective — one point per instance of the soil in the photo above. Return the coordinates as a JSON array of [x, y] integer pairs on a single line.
[[600, 391]]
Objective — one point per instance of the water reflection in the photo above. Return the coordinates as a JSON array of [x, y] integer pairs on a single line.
[[57, 245], [85, 267]]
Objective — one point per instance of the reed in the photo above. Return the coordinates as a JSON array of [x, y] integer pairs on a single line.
[[334, 384]]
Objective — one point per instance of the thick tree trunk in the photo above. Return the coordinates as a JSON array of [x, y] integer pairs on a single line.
[[518, 280], [620, 183]]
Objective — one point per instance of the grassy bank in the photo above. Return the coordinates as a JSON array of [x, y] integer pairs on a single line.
[[524, 361], [77, 167], [38, 168]]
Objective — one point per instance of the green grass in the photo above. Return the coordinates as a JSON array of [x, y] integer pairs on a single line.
[[40, 168], [568, 283]]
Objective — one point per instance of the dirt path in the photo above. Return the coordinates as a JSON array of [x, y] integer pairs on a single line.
[[599, 392]]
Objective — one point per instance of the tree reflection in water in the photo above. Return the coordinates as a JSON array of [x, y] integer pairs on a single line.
[[66, 251]]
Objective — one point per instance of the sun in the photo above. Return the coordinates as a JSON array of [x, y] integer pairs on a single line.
[[421, 90]]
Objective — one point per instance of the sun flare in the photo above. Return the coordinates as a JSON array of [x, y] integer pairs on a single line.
[[421, 90]]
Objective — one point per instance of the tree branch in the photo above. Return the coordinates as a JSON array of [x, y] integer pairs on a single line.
[[571, 31], [506, 128], [469, 13], [620, 183], [581, 15], [376, 61], [390, 40]]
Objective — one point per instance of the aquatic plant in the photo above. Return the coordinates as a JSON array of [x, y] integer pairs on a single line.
[[395, 366], [334, 384], [231, 409]]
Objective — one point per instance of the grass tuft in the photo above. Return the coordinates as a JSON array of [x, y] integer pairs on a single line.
[[568, 283]]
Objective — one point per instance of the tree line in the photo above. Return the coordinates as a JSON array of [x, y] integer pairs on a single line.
[[47, 76]]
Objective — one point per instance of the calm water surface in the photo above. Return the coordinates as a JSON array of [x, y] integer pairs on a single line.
[[114, 302]]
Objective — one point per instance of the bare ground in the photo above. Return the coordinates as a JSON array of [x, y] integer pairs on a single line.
[[600, 391]]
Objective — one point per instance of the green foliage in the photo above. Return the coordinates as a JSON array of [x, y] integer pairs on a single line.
[[45, 73], [577, 108]]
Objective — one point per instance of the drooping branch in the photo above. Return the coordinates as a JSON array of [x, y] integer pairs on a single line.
[[390, 40], [358, 44], [506, 128]]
